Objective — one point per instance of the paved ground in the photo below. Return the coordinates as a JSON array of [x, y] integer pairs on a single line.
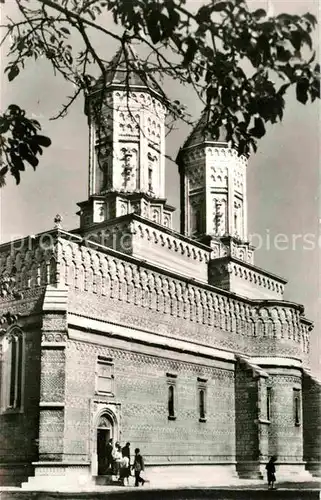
[[177, 494], [245, 490]]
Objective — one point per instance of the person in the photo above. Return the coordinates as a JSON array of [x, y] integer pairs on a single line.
[[126, 453], [126, 450], [138, 467], [270, 468], [109, 455], [124, 470], [117, 456]]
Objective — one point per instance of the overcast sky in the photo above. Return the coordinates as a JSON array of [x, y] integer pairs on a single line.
[[283, 176]]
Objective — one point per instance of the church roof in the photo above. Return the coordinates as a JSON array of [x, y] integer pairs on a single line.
[[202, 131], [126, 68]]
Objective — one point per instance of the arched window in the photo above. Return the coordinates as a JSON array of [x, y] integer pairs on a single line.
[[201, 394], [12, 370], [268, 403], [171, 403], [297, 406]]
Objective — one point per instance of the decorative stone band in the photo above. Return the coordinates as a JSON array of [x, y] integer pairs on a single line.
[[130, 334]]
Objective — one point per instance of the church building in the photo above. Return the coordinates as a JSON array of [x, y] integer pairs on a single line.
[[124, 328]]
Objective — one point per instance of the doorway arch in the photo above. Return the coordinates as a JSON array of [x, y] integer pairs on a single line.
[[105, 431], [105, 428]]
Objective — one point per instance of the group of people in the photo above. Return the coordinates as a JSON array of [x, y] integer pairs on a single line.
[[119, 464]]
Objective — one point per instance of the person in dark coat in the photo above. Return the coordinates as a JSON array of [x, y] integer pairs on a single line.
[[138, 467], [270, 468], [126, 453]]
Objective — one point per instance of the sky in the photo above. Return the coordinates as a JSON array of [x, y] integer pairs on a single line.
[[283, 176]]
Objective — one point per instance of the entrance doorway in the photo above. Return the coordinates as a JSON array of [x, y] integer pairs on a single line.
[[104, 434]]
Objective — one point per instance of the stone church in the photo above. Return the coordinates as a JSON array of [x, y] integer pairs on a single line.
[[127, 329]]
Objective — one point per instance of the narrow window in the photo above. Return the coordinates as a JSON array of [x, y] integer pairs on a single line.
[[297, 406], [150, 178], [12, 371], [202, 403], [201, 391], [268, 403], [171, 404], [105, 376], [171, 396]]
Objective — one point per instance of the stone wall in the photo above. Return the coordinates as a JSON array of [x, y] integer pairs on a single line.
[[19, 428], [285, 435], [312, 424], [246, 420], [141, 390]]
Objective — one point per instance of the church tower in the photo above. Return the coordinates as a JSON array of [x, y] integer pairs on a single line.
[[127, 145], [213, 193], [214, 212]]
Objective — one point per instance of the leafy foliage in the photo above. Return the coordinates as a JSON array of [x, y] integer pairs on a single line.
[[20, 143], [240, 62]]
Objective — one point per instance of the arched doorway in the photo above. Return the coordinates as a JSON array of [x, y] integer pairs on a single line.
[[105, 432]]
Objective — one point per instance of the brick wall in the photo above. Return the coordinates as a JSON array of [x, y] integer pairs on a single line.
[[312, 424]]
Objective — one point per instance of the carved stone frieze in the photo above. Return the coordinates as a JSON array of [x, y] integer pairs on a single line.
[[54, 337]]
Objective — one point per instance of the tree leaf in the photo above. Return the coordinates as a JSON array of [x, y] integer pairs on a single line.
[[259, 129], [283, 89], [42, 140], [13, 72], [310, 18], [296, 39], [302, 90], [32, 160], [4, 170], [219, 6], [65, 30], [259, 13], [153, 27]]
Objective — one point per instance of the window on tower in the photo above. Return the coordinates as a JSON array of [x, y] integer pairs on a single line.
[[196, 219], [150, 178]]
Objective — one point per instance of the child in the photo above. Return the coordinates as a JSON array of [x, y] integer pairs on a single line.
[[270, 468]]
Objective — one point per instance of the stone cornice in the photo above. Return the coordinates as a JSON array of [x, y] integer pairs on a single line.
[[129, 195]]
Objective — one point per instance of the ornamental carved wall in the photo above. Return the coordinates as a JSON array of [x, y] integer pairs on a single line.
[[85, 269]]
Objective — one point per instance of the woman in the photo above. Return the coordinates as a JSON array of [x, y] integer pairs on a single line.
[[138, 467], [270, 468], [117, 456]]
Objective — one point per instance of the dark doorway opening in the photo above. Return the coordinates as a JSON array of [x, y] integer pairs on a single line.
[[104, 434]]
